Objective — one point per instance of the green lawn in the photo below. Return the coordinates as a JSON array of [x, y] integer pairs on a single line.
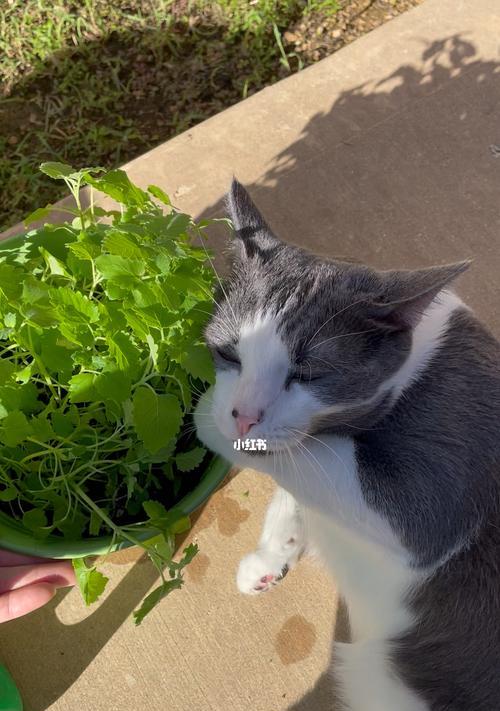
[[98, 82]]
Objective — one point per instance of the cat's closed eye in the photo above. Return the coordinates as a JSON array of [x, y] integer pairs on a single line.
[[302, 375], [228, 356]]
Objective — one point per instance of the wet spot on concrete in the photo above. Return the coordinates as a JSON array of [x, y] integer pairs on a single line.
[[295, 640], [198, 567], [225, 511]]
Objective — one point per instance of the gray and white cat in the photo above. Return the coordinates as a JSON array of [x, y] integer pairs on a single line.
[[378, 393]]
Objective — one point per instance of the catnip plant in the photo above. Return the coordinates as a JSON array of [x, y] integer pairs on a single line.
[[101, 361]]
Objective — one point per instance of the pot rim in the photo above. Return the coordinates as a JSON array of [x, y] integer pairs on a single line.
[[15, 538]]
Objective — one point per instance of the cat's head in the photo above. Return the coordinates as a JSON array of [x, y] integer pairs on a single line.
[[302, 343]]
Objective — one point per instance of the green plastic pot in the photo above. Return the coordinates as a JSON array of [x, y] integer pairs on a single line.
[[10, 699], [15, 538]]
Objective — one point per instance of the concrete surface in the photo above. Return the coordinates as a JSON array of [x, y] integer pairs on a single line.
[[381, 152]]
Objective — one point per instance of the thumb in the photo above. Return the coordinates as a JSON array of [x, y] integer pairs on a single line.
[[20, 601]]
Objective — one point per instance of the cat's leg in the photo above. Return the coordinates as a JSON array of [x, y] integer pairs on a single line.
[[281, 544], [367, 680]]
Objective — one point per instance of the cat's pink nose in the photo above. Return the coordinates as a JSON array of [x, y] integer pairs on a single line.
[[245, 422]]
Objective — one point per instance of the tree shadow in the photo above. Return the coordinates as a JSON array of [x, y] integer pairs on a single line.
[[399, 173]]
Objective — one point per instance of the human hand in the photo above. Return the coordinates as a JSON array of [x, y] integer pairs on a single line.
[[27, 583]]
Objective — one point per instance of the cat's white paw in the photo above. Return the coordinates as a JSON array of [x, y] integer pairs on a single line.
[[259, 572]]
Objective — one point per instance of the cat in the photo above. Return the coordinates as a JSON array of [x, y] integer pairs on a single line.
[[378, 394]]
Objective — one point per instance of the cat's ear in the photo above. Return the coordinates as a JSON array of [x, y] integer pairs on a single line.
[[407, 294], [252, 234]]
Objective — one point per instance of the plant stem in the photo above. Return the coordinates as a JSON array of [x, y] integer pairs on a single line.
[[112, 526]]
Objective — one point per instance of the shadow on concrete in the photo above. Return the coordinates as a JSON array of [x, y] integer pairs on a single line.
[[39, 649], [52, 655], [398, 173]]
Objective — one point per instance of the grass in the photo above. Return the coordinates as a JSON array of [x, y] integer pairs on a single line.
[[99, 82]]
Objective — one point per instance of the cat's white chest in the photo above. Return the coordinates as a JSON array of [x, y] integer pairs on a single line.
[[368, 562], [373, 580]]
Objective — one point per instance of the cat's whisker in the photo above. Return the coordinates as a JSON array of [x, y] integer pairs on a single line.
[[321, 360], [342, 335], [314, 467], [310, 455], [317, 439], [337, 313], [297, 474], [218, 279]]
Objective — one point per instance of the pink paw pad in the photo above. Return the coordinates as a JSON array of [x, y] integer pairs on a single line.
[[264, 582]]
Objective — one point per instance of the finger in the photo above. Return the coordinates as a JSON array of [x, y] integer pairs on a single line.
[[59, 574], [23, 600], [8, 558]]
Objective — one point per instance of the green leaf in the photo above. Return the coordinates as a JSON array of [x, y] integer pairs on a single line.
[[19, 397], [156, 512], [159, 194], [161, 546], [10, 319], [169, 522], [9, 493], [41, 428], [117, 185], [11, 282], [125, 353], [61, 423], [113, 385], [56, 353], [154, 598], [15, 428], [187, 461], [55, 265], [81, 388], [24, 375], [38, 214], [177, 224], [63, 171], [73, 526], [189, 553], [157, 418], [58, 171], [125, 245], [198, 362], [85, 248], [112, 266], [74, 306], [90, 581], [6, 370]]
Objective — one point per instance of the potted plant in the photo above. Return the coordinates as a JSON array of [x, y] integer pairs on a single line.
[[101, 362]]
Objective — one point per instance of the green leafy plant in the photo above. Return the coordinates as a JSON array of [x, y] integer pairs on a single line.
[[101, 359]]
